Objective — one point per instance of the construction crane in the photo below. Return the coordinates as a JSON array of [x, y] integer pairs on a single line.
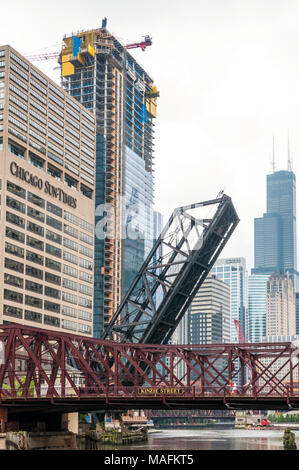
[[54, 55], [241, 337]]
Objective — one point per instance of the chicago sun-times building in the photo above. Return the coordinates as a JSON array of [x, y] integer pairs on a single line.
[[47, 166]]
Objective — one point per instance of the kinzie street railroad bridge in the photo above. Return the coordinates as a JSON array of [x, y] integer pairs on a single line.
[[61, 373], [133, 366]]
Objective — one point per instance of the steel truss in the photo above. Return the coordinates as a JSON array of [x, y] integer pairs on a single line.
[[40, 364], [173, 272]]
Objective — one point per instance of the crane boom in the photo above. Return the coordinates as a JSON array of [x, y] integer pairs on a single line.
[[55, 55]]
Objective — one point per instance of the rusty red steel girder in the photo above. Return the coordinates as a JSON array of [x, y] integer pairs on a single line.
[[43, 364]]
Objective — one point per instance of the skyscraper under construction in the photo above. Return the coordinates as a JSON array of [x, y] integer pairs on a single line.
[[99, 72]]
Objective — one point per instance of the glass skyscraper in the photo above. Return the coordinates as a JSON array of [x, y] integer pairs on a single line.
[[275, 244], [233, 272], [256, 323]]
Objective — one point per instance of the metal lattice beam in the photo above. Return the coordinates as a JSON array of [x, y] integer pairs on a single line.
[[173, 272]]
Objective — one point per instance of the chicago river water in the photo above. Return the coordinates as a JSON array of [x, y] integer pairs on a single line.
[[213, 438]]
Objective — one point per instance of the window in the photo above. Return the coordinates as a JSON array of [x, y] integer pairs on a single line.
[[84, 302], [86, 191], [36, 214], [84, 328], [86, 251], [33, 316], [33, 301], [68, 311], [52, 264], [37, 244], [34, 257], [54, 222], [14, 234], [53, 321], [70, 257], [13, 296], [14, 204], [15, 219], [34, 286], [84, 263], [86, 238], [53, 250], [13, 280], [69, 298], [69, 325], [14, 250], [38, 201], [69, 284], [54, 209], [16, 150], [50, 292], [15, 189], [86, 225], [49, 277], [52, 171], [85, 277], [53, 307], [70, 244], [37, 229], [70, 231], [87, 316], [71, 218], [14, 265], [70, 270], [12, 311], [34, 272], [85, 289], [54, 237], [36, 161], [72, 183]]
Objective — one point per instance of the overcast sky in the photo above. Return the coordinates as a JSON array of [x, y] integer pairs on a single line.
[[228, 75]]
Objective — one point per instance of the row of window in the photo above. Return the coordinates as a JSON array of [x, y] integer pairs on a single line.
[[46, 304], [39, 162], [38, 230], [37, 317], [39, 259], [43, 102], [57, 211], [49, 291]]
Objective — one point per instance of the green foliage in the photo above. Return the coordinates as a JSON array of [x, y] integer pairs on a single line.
[[18, 387], [289, 442]]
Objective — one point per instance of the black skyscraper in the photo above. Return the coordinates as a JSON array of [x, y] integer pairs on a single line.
[[275, 247]]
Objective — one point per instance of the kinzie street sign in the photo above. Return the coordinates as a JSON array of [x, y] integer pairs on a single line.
[[29, 178], [160, 391]]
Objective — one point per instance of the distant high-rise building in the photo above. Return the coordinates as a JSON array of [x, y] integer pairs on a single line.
[[233, 272], [297, 313], [209, 313], [256, 321], [102, 75], [280, 306], [275, 244]]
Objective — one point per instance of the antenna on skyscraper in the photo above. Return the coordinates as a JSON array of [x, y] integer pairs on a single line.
[[289, 155], [273, 155]]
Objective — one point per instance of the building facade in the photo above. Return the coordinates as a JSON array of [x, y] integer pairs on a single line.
[[47, 201], [280, 306], [275, 242], [257, 291], [233, 272], [209, 313], [99, 73]]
